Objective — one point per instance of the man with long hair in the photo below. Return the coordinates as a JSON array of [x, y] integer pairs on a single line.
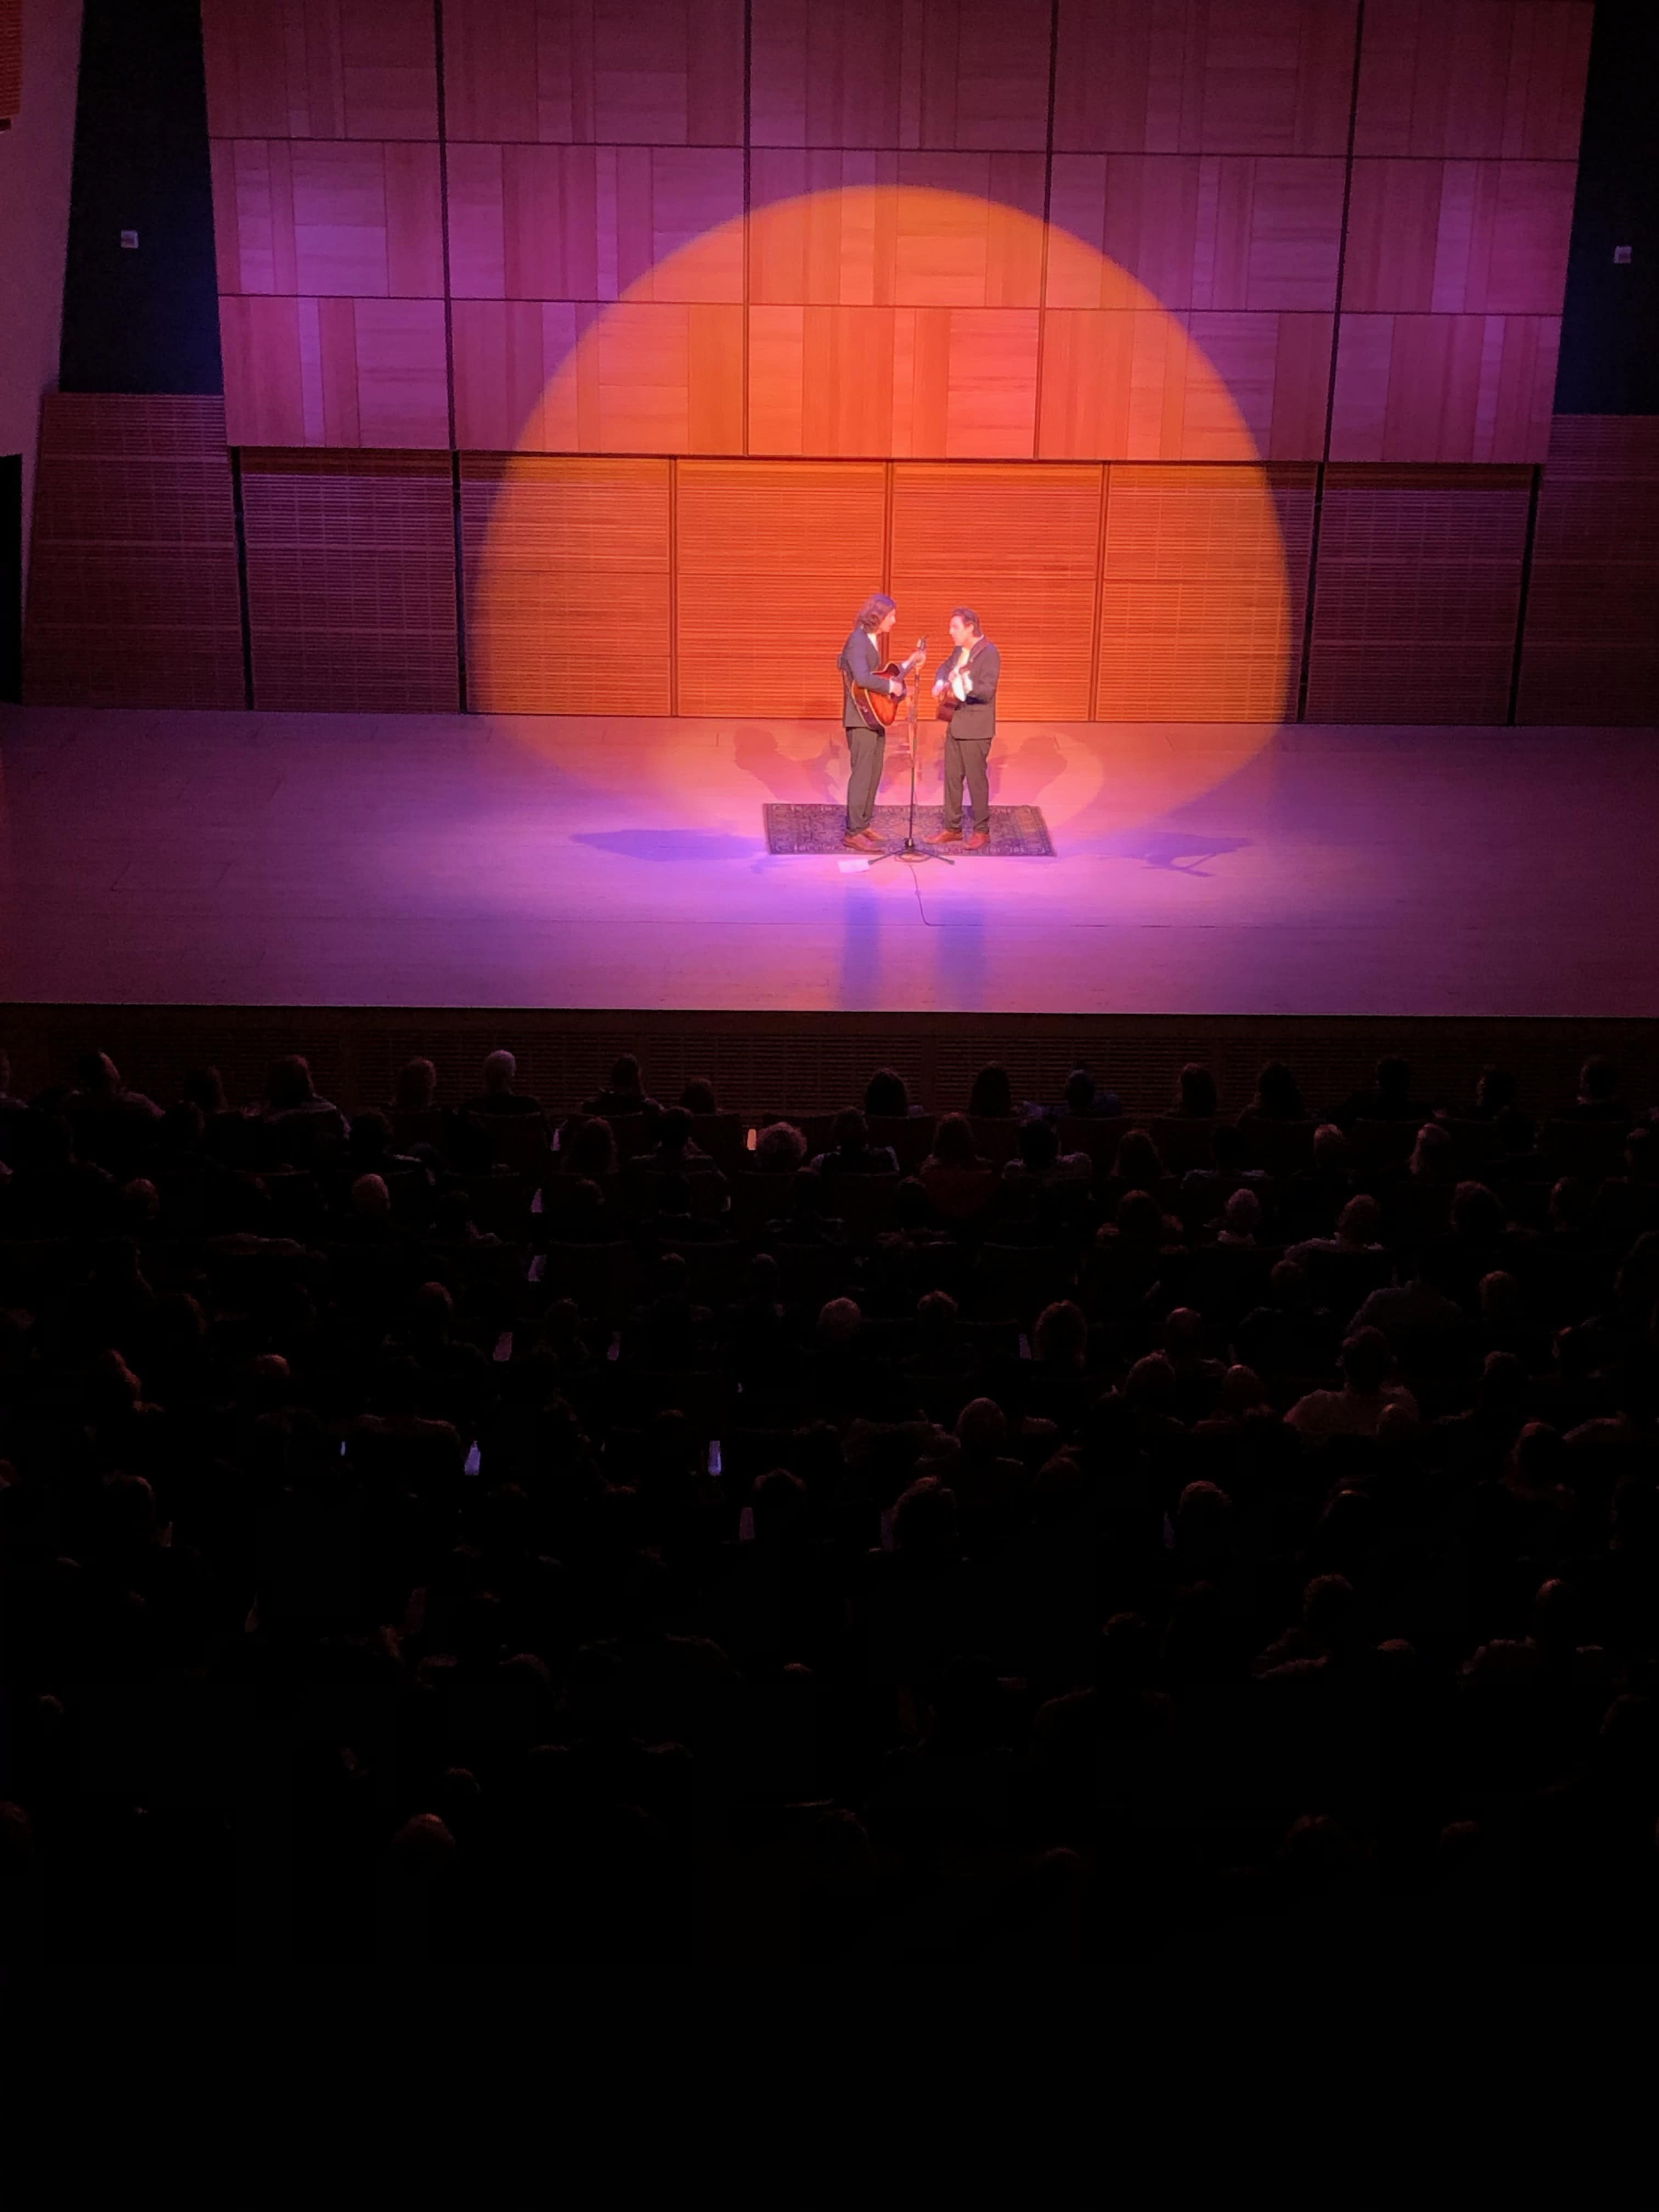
[[860, 664]]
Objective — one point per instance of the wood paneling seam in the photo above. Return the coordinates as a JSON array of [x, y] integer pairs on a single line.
[[1525, 592], [1100, 586], [1043, 258], [1305, 671], [673, 584], [241, 575], [748, 203], [449, 362]]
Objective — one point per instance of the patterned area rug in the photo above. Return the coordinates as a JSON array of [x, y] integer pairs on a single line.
[[1018, 833]]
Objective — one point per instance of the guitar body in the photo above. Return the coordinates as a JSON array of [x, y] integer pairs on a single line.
[[879, 710]]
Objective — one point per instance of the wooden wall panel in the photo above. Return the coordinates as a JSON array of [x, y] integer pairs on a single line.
[[1444, 387], [507, 353], [770, 558], [1203, 593], [1213, 76], [566, 585], [592, 222], [1458, 238], [984, 69], [1021, 546], [832, 228], [304, 371], [948, 74], [1591, 653], [1124, 384], [351, 580], [827, 73], [605, 72], [559, 376], [133, 597], [320, 69], [820, 380], [328, 217], [964, 382], [1197, 231], [1418, 594], [1496, 79]]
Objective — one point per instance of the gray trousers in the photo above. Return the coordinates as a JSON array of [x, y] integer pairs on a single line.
[[867, 749], [967, 757]]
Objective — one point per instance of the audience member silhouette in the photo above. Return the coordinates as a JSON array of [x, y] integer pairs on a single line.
[[523, 1571]]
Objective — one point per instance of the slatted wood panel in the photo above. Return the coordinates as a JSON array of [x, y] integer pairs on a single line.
[[1444, 387], [304, 371], [1222, 76], [1418, 594], [772, 563], [351, 580], [567, 584], [1020, 545], [1591, 653], [1203, 592], [606, 72], [133, 597], [1133, 384], [11, 56], [1494, 79], [320, 69]]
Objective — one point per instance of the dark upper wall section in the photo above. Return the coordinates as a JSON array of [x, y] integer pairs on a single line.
[[1610, 328], [147, 321], [144, 320]]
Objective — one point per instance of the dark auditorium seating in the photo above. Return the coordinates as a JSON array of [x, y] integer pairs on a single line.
[[984, 1583]]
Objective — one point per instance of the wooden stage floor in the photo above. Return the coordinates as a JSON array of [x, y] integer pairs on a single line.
[[431, 860]]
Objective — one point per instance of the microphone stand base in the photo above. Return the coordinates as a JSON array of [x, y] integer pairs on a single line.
[[911, 851]]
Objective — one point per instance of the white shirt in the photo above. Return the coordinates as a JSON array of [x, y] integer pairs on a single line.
[[957, 680]]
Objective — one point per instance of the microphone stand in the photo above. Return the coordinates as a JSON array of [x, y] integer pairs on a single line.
[[910, 850]]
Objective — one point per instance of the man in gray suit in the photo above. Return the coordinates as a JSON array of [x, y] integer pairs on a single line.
[[860, 663], [968, 677]]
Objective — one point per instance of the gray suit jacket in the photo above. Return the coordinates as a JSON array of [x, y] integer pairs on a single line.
[[976, 716], [860, 663]]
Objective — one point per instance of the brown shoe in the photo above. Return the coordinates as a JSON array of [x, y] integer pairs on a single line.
[[863, 841], [977, 841], [943, 837]]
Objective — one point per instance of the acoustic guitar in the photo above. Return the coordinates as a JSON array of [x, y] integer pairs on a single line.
[[879, 709]]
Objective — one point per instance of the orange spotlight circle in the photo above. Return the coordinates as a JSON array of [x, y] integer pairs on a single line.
[[895, 355]]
